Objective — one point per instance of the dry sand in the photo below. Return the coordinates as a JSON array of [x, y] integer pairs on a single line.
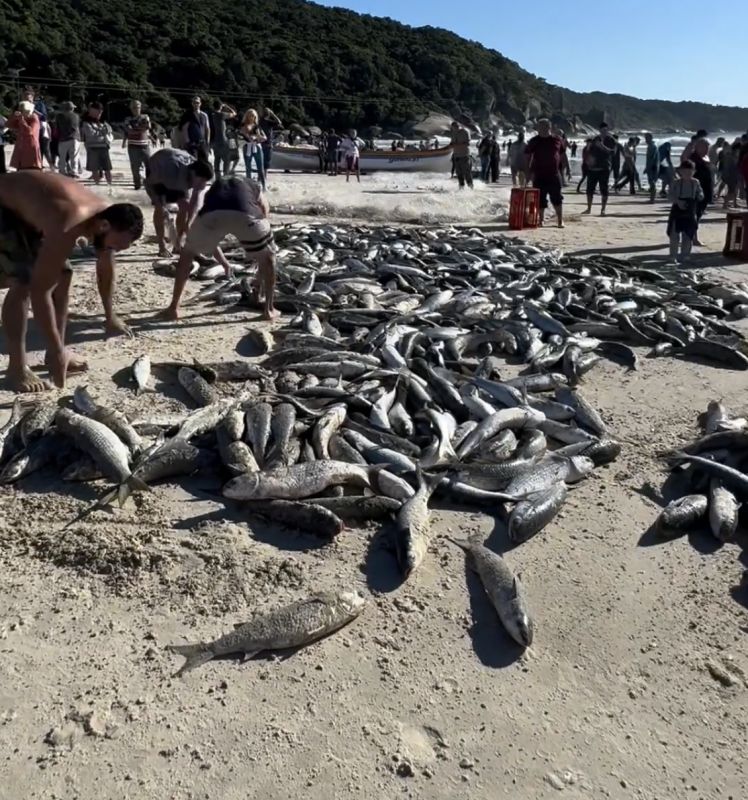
[[423, 696]]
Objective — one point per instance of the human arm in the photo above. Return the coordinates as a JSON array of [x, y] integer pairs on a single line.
[[223, 261], [105, 284], [205, 125]]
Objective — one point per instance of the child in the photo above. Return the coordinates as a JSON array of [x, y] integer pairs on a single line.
[[350, 151], [685, 194]]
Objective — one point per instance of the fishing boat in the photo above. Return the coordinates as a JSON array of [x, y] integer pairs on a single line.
[[306, 159]]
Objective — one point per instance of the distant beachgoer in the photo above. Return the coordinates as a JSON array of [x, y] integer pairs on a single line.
[[484, 153], [573, 149], [231, 207], [269, 124], [97, 137], [253, 138], [565, 165], [222, 113], [544, 153], [703, 174], [685, 194], [713, 153], [194, 128], [651, 165], [462, 165], [494, 160], [175, 176], [727, 169], [332, 152], [516, 160], [666, 168], [743, 168], [69, 139], [616, 161], [137, 140], [628, 169], [689, 148], [25, 123], [349, 148], [598, 160], [584, 165], [45, 140], [635, 142]]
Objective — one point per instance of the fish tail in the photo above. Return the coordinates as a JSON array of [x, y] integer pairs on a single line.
[[195, 655], [127, 487], [102, 502]]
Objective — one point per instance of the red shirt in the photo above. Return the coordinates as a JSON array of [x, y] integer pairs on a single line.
[[545, 152]]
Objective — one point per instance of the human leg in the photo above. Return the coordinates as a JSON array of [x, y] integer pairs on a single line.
[[592, 183], [484, 166], [266, 273], [686, 244], [159, 225], [15, 314], [557, 199], [60, 299], [258, 156], [674, 244]]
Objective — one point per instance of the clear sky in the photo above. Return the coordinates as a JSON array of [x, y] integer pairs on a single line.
[[659, 49]]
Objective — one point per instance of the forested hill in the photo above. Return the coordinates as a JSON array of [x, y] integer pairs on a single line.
[[310, 63]]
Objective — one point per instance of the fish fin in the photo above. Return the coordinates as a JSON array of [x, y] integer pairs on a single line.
[[15, 411], [250, 654], [130, 485], [464, 544], [196, 655]]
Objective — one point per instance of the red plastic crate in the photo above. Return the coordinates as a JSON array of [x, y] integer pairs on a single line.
[[524, 209]]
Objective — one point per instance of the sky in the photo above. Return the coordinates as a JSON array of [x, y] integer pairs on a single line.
[[653, 49]]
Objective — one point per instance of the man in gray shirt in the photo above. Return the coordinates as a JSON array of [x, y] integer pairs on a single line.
[[195, 129], [69, 138], [220, 143]]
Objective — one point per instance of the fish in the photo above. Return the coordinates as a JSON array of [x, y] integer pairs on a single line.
[[82, 470], [550, 470], [326, 427], [199, 390], [40, 453], [294, 625], [358, 508], [680, 514], [413, 529], [8, 430], [532, 514], [205, 419], [299, 480], [723, 512], [258, 419], [307, 517], [115, 420], [106, 449], [506, 418], [717, 418], [281, 428], [503, 589], [141, 373], [36, 421], [586, 415], [730, 478]]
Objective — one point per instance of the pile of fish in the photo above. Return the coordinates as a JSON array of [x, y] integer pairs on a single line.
[[709, 477], [389, 389]]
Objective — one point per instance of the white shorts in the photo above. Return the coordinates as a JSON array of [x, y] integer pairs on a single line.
[[209, 230]]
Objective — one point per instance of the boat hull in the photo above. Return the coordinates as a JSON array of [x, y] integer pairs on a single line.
[[302, 159]]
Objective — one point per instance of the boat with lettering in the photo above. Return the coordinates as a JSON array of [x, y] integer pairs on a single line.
[[295, 158]]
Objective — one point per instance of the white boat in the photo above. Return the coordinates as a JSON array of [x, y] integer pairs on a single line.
[[307, 159]]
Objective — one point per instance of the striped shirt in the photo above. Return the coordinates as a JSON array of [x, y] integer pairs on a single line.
[[137, 129]]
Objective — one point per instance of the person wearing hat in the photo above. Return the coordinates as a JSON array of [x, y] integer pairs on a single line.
[[69, 136], [42, 216], [26, 153]]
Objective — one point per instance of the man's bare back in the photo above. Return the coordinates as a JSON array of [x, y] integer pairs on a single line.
[[53, 204]]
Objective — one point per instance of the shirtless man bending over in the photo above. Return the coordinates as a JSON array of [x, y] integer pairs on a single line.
[[236, 207], [42, 215]]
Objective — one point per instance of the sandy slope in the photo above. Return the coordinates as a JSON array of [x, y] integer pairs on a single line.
[[423, 696]]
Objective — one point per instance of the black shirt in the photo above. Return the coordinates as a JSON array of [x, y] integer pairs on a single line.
[[230, 194]]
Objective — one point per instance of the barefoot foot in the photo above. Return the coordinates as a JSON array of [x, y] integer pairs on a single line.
[[270, 314], [168, 314], [74, 364], [164, 252], [26, 382]]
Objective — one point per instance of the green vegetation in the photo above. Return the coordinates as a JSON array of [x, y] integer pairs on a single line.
[[310, 64]]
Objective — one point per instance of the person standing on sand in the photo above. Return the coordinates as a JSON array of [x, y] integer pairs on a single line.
[[461, 163], [703, 174], [685, 194], [69, 136], [194, 127], [269, 124], [350, 151], [137, 140], [688, 150], [484, 153], [598, 157], [516, 160], [615, 162], [253, 138], [727, 169], [584, 165], [628, 170], [332, 145], [42, 215], [98, 137], [239, 208], [544, 153], [222, 113], [45, 140], [174, 176], [651, 165], [26, 153], [666, 168]]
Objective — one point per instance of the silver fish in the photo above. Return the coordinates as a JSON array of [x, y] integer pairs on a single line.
[[282, 429], [259, 419], [533, 513], [327, 425], [36, 421], [503, 589], [413, 528], [8, 430], [141, 373], [307, 517], [293, 625], [299, 480], [201, 392], [205, 419], [681, 514], [723, 512], [357, 508]]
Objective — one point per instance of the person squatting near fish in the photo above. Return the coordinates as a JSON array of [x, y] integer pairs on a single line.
[[544, 153], [174, 176], [685, 194], [239, 208], [42, 215]]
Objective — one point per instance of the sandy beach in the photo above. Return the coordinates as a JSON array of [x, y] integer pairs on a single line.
[[423, 696]]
